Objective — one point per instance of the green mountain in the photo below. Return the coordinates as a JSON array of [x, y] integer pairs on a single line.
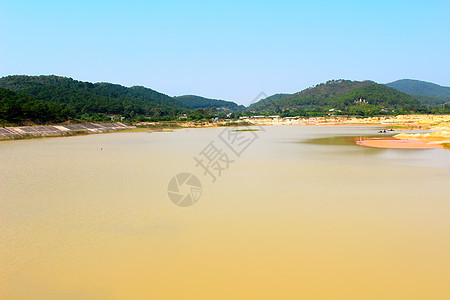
[[88, 99], [17, 108], [195, 102], [426, 92], [319, 95], [266, 101], [357, 97], [422, 88], [377, 94], [50, 99]]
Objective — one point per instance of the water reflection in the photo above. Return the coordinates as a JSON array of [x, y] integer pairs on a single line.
[[348, 143]]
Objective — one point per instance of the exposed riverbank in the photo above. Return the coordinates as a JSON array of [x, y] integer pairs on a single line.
[[25, 132], [437, 137]]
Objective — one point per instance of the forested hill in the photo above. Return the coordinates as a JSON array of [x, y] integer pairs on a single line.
[[50, 99], [86, 101], [352, 96], [426, 92], [17, 108], [92, 98], [377, 94], [422, 88], [195, 102], [266, 101], [318, 95]]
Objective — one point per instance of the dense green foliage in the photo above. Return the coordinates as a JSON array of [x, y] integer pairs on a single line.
[[431, 101], [267, 101], [339, 97], [323, 94], [423, 88], [194, 102], [53, 99], [427, 93], [88, 99], [377, 94], [16, 108], [331, 94], [101, 101]]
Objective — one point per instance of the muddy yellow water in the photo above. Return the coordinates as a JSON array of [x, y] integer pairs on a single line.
[[295, 216]]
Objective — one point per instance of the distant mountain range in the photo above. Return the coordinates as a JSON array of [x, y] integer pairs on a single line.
[[422, 88], [428, 93], [341, 94], [39, 99]]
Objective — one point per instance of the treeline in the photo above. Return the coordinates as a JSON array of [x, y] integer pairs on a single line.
[[68, 99], [54, 99], [92, 102], [348, 97], [16, 108], [195, 102], [324, 94], [421, 88], [356, 110], [377, 94]]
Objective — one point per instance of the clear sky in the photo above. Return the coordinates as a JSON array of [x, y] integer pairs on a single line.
[[229, 50]]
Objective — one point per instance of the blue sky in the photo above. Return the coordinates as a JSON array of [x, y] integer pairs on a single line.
[[229, 50]]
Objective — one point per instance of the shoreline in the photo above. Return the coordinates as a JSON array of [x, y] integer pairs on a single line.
[[438, 137], [395, 143], [42, 131]]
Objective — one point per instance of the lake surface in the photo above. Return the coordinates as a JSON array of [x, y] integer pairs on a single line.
[[299, 214]]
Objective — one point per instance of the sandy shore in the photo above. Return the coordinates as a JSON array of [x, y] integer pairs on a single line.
[[437, 137], [438, 127], [400, 121], [395, 143]]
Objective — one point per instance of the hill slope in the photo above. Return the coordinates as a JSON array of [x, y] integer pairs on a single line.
[[422, 88], [317, 96], [194, 102], [340, 94], [427, 93], [377, 94], [90, 98], [16, 108], [266, 101]]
